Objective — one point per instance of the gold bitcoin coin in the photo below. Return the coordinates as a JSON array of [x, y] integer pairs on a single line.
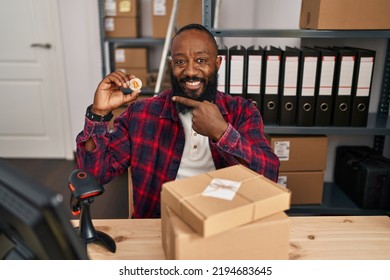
[[135, 84]]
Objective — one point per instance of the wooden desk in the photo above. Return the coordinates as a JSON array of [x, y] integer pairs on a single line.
[[326, 237]]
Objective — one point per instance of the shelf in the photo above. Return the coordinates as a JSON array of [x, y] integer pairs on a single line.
[[300, 33], [335, 202], [374, 127], [136, 41]]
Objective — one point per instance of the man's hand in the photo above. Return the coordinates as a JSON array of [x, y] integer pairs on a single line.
[[108, 95], [206, 117]]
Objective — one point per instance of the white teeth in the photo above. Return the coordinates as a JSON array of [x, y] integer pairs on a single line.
[[193, 83]]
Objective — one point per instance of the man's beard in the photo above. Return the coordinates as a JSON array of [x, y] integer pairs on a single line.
[[209, 93]]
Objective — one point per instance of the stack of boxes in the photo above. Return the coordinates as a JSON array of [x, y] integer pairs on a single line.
[[189, 11], [302, 165], [230, 213], [121, 18]]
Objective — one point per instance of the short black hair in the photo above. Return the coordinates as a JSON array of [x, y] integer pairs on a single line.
[[199, 27]]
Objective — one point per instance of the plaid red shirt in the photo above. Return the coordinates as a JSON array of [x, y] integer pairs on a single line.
[[148, 137]]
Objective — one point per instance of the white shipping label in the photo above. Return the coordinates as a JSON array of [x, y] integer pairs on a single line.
[[159, 7], [222, 189], [282, 150], [120, 55], [109, 24], [282, 181], [110, 7]]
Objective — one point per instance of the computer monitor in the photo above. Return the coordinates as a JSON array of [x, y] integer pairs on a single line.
[[33, 220]]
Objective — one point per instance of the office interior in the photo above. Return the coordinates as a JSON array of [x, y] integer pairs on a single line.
[[77, 43]]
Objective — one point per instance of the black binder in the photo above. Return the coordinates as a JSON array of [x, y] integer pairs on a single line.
[[289, 69], [361, 91], [236, 70], [306, 86], [254, 61], [222, 72], [343, 86], [324, 85], [270, 85]]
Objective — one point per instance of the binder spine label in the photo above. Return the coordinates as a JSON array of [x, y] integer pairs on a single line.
[[346, 75], [254, 73], [309, 76], [222, 74], [365, 73], [327, 72], [236, 74], [291, 76], [272, 78]]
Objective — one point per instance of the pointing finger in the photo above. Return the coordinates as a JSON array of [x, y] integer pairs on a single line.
[[186, 101]]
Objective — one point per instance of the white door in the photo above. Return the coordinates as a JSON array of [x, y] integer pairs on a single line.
[[33, 104]]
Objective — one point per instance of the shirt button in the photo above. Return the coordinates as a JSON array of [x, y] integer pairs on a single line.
[[195, 133], [195, 146]]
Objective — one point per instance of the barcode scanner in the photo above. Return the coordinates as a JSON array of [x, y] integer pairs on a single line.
[[84, 187]]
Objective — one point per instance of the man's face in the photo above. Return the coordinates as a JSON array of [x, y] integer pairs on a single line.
[[194, 65]]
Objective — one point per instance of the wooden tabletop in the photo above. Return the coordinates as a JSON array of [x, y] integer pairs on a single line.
[[311, 237]]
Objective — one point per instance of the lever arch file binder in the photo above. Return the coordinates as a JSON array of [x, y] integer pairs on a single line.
[[288, 85], [236, 70], [270, 85], [324, 86], [254, 62], [306, 87], [361, 91], [222, 72], [343, 86]]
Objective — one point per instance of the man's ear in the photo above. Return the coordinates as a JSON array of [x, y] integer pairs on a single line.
[[218, 62], [170, 65]]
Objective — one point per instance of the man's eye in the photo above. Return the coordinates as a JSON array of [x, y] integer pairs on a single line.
[[179, 62], [201, 60]]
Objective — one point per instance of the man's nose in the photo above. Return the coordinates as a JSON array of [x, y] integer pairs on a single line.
[[192, 68]]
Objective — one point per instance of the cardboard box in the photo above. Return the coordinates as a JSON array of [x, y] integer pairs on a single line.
[[300, 152], [345, 14], [265, 239], [122, 8], [306, 187], [121, 27], [141, 73], [190, 11], [131, 58], [256, 198]]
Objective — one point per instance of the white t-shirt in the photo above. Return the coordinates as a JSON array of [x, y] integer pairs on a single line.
[[196, 158]]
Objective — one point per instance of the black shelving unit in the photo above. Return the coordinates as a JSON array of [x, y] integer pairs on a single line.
[[335, 202]]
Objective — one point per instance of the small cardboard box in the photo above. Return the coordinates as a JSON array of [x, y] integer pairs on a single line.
[[300, 152], [265, 239], [123, 8], [256, 198], [131, 58], [121, 27], [189, 11], [306, 187], [345, 14]]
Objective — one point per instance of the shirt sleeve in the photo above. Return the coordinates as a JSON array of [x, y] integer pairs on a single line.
[[108, 158], [244, 143]]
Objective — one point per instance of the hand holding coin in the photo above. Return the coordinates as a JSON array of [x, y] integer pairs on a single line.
[[135, 84]]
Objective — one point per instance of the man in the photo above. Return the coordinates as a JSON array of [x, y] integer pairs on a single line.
[[184, 131]]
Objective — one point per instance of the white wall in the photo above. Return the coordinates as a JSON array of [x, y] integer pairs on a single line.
[[81, 39]]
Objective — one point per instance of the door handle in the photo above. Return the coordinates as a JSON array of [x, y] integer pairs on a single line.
[[39, 45]]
